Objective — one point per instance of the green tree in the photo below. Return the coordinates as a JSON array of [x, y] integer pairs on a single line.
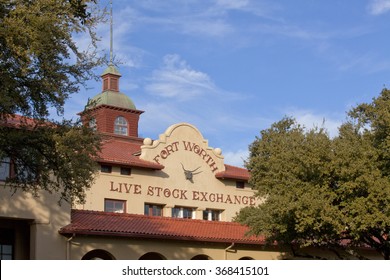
[[40, 67], [317, 191], [361, 167]]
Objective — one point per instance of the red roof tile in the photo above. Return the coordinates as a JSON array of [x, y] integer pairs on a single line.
[[140, 226], [18, 121], [233, 172], [121, 152]]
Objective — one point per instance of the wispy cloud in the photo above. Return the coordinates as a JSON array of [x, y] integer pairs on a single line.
[[195, 18], [236, 158], [176, 79], [378, 7], [233, 4], [291, 30], [310, 119], [259, 8], [190, 17], [368, 63]]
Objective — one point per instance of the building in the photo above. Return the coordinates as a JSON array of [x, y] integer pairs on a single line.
[[28, 224], [169, 198]]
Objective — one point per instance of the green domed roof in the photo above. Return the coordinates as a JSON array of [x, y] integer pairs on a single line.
[[112, 98]]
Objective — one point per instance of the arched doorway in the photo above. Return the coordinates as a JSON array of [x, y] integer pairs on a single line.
[[152, 256], [201, 257], [246, 258], [98, 254]]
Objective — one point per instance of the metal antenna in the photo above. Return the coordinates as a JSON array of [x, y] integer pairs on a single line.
[[111, 36]]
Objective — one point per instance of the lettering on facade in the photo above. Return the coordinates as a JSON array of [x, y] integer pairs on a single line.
[[189, 147], [181, 194], [126, 188]]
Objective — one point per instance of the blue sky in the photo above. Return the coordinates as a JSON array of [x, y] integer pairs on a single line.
[[234, 67]]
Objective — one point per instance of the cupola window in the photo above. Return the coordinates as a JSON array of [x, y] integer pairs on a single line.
[[92, 124], [114, 84], [120, 126]]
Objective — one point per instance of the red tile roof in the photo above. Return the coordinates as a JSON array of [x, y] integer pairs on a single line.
[[18, 121], [233, 172], [140, 226], [121, 152]]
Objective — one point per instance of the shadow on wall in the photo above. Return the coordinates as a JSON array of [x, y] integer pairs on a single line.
[[35, 222]]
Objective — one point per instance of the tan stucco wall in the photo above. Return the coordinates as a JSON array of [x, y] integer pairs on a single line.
[[42, 217]]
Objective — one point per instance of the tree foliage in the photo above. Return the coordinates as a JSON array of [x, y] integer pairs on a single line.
[[41, 64], [319, 191], [40, 67]]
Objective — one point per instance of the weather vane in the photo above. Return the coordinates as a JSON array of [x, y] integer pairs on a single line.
[[111, 35]]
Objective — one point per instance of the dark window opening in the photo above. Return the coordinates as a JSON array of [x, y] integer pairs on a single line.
[[6, 244], [125, 171], [106, 168], [153, 210]]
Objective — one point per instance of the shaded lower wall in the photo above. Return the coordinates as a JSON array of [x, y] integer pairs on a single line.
[[119, 248], [82, 247]]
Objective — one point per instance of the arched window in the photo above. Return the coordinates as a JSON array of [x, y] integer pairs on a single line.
[[201, 257], [246, 258], [92, 124], [152, 256], [98, 254], [120, 126]]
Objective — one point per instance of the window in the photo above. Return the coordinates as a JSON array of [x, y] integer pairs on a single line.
[[114, 84], [125, 171], [17, 170], [105, 84], [153, 209], [115, 206], [212, 215], [183, 212], [120, 126], [5, 168], [5, 252], [240, 184], [6, 244], [92, 124], [105, 168], [23, 173]]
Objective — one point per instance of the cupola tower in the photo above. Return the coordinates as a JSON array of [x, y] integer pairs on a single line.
[[111, 111]]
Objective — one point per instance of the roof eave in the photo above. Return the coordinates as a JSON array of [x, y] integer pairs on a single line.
[[158, 236], [224, 176], [146, 165]]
